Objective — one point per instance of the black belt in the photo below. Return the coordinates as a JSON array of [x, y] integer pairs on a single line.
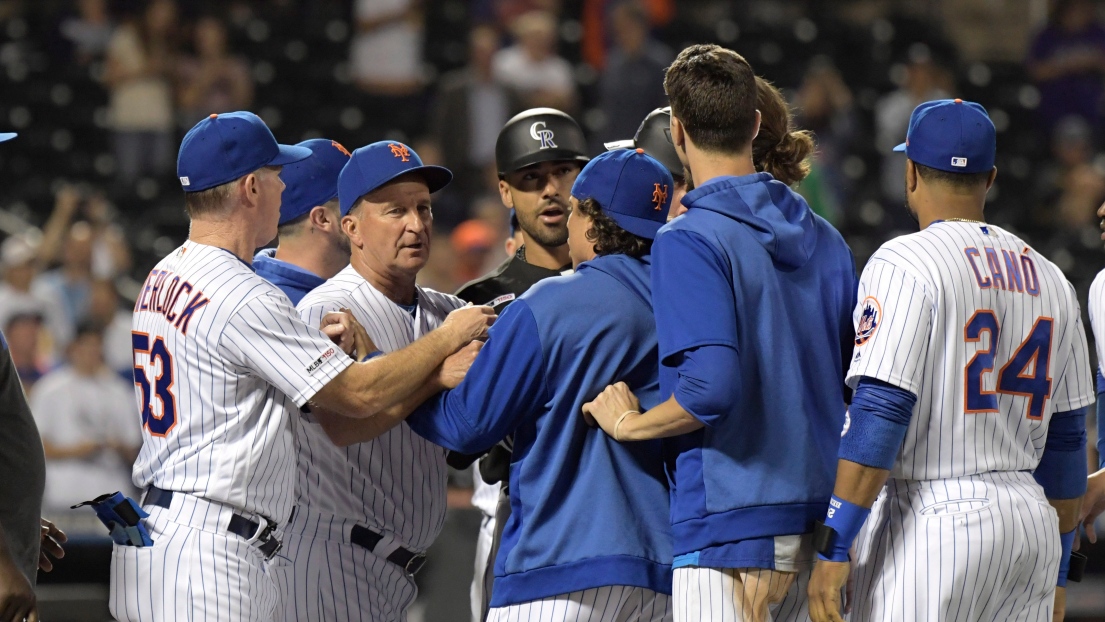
[[252, 531], [368, 539]]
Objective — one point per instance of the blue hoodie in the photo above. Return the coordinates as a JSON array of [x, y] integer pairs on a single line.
[[294, 281], [751, 268], [587, 511]]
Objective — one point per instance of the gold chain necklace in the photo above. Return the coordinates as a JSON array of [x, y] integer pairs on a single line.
[[964, 220]]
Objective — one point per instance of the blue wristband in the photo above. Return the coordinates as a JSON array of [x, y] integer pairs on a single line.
[[372, 355], [846, 519], [1067, 539]]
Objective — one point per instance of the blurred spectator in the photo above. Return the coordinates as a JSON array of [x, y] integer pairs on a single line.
[[595, 20], [470, 109], [1067, 60], [506, 11], [23, 331], [18, 296], [114, 321], [90, 428], [110, 253], [632, 84], [71, 282], [386, 63], [924, 81], [387, 51], [473, 242], [1072, 186], [826, 108], [532, 67], [212, 81], [89, 32], [139, 58]]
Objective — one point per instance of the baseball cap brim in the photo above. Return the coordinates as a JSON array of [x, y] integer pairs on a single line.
[[642, 227], [901, 147], [289, 154], [437, 177], [7, 136]]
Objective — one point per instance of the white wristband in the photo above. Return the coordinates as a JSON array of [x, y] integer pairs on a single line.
[[618, 425]]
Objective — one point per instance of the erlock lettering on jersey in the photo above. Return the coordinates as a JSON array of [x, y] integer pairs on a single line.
[[986, 332], [220, 358], [396, 483]]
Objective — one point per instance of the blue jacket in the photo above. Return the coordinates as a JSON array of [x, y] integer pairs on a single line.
[[751, 268], [294, 281], [587, 511]]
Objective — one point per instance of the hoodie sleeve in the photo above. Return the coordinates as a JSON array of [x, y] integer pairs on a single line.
[[505, 385], [692, 295]]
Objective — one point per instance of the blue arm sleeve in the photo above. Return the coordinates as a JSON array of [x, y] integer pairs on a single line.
[[692, 294], [1062, 470], [877, 422], [705, 387], [1100, 421], [505, 384]]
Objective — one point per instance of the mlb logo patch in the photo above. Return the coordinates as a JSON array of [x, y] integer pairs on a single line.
[[185, 182], [960, 162]]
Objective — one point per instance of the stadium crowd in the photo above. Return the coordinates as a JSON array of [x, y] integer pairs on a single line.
[[101, 92]]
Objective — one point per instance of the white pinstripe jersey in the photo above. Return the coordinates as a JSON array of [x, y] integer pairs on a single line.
[[986, 332], [220, 359], [1097, 319], [395, 483]]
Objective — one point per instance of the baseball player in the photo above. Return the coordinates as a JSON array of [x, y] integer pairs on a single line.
[[752, 293], [654, 136], [567, 553], [538, 153], [221, 359], [970, 370], [312, 247], [370, 499]]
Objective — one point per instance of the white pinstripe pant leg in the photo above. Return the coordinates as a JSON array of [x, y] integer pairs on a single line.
[[329, 580], [611, 603], [483, 549], [190, 574], [729, 594], [962, 550]]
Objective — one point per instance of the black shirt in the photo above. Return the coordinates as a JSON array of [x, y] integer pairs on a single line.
[[505, 283]]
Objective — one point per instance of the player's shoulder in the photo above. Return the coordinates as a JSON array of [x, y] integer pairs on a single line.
[[1097, 291], [439, 300], [341, 288], [477, 288], [222, 277]]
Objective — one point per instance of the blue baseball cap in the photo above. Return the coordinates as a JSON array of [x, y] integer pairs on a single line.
[[7, 136], [313, 181], [224, 147], [951, 135], [633, 188], [374, 165]]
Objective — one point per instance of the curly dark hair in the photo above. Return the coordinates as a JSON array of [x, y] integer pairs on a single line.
[[608, 237], [779, 149]]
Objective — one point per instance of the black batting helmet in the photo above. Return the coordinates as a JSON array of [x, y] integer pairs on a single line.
[[539, 135], [654, 136]]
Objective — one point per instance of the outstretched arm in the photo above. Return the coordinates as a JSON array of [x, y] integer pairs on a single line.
[[366, 389], [345, 431]]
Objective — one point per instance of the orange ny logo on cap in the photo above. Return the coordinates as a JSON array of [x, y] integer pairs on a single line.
[[340, 148], [659, 196], [400, 151]]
